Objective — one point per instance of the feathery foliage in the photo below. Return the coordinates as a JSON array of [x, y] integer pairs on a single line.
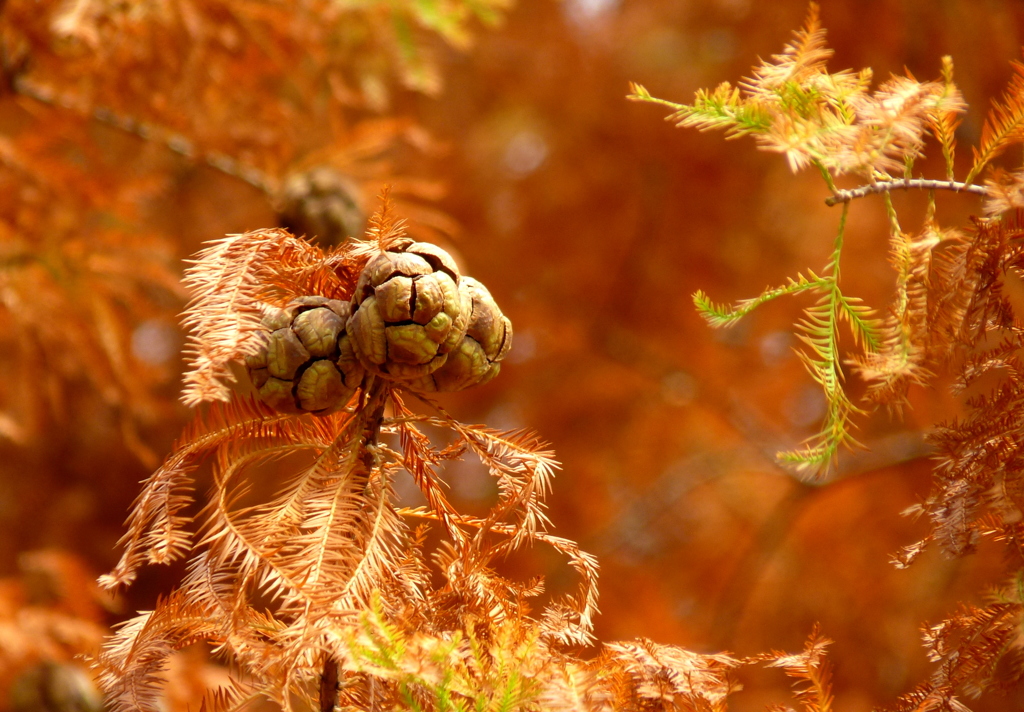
[[279, 96], [811, 671], [329, 593]]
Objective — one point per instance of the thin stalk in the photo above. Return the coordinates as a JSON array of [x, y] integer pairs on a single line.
[[330, 676]]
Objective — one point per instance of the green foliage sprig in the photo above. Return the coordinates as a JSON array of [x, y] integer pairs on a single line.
[[836, 123], [951, 307]]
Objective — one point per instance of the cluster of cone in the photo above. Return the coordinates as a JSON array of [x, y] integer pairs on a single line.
[[413, 319]]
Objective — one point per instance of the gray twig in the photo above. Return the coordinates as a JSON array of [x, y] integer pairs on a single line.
[[845, 196]]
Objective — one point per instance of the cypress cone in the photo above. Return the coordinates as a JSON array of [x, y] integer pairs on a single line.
[[476, 357], [307, 363], [413, 319], [408, 312]]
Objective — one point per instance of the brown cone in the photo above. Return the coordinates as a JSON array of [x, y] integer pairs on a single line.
[[476, 357], [306, 364], [407, 311]]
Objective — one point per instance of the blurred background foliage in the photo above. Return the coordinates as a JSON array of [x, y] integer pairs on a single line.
[[130, 135]]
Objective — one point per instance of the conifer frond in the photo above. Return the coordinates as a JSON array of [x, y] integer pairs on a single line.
[[156, 529], [129, 666], [977, 454], [819, 333], [890, 125], [569, 621], [905, 351], [385, 227], [663, 675], [952, 306], [522, 470], [511, 668], [1004, 125], [234, 277], [806, 142], [231, 698], [802, 59], [818, 455], [638, 92], [575, 623], [860, 317], [793, 105], [718, 315], [288, 561], [333, 542], [970, 318], [822, 361], [419, 459], [1005, 192], [968, 649], [503, 671], [945, 121], [227, 282], [521, 464], [724, 107], [811, 670]]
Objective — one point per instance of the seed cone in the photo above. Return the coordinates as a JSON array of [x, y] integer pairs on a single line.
[[306, 363], [323, 203], [476, 357], [408, 312], [413, 320]]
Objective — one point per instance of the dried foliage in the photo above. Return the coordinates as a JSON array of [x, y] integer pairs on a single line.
[[229, 281], [213, 83], [811, 670], [331, 579], [50, 615], [976, 650], [974, 321]]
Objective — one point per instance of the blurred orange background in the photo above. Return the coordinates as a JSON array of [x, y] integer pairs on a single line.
[[593, 221]]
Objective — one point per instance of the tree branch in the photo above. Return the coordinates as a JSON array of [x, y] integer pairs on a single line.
[[175, 142], [845, 196]]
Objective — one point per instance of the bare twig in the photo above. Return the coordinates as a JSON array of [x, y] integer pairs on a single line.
[[845, 196], [176, 142], [329, 685]]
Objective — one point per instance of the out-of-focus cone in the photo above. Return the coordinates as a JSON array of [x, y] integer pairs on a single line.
[[54, 687], [322, 203]]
